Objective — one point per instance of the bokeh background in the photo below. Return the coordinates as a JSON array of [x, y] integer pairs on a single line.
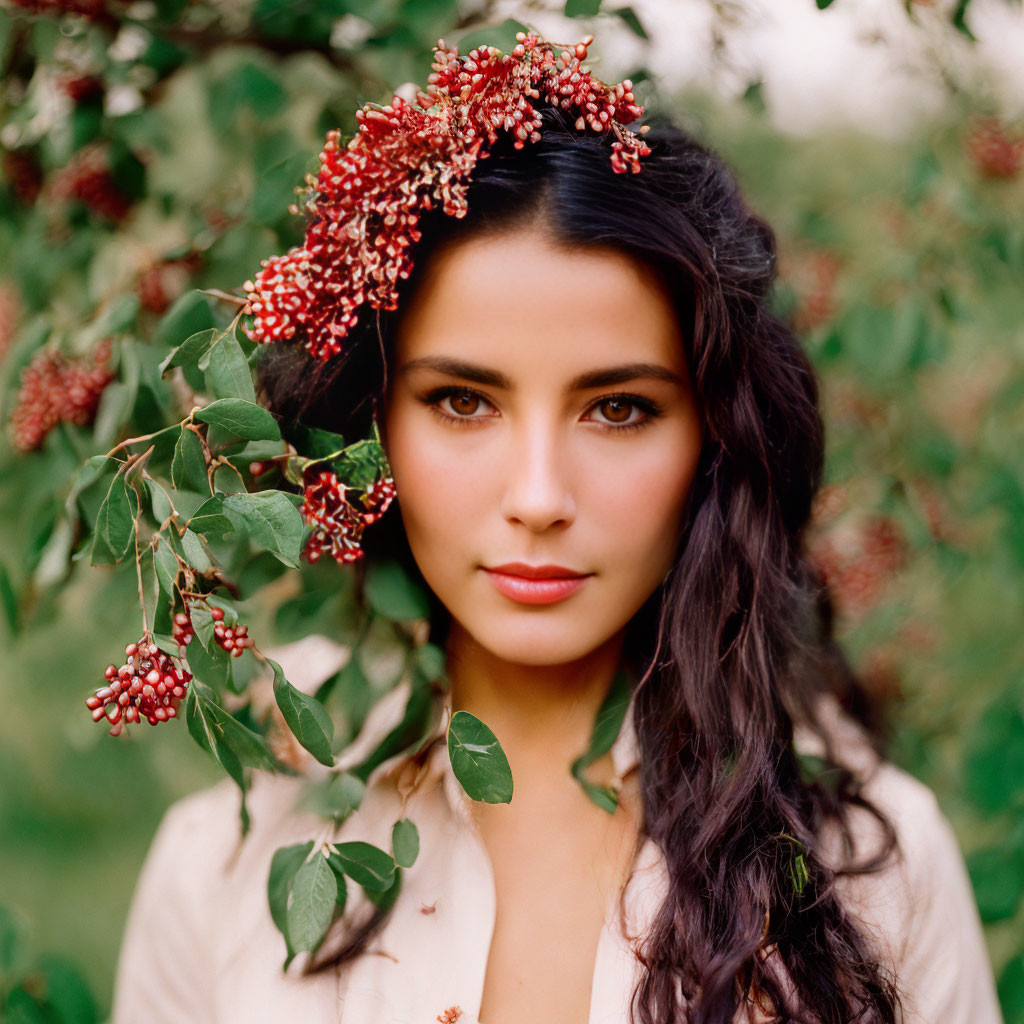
[[153, 148]]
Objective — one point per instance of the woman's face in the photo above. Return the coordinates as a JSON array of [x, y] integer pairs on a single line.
[[540, 415]]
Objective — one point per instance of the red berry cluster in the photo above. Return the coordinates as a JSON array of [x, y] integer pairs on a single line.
[[55, 389], [234, 639], [994, 153], [148, 685], [819, 302], [87, 178], [337, 522], [24, 175], [161, 283], [80, 87], [366, 201], [858, 562]]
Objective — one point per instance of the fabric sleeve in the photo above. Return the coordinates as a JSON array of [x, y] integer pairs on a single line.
[[924, 913], [166, 968]]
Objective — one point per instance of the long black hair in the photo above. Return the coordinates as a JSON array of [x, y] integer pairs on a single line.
[[736, 644]]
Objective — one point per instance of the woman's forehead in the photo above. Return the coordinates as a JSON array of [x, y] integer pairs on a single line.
[[514, 299]]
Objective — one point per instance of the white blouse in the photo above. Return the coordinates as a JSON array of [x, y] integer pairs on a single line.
[[200, 946]]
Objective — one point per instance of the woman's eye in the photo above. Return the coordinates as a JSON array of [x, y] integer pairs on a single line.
[[616, 410], [464, 404]]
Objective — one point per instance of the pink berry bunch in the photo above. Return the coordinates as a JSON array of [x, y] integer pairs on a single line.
[[993, 151], [367, 198], [54, 390], [234, 639], [150, 685], [337, 522]]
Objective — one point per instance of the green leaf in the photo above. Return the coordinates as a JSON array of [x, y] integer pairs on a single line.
[[243, 419], [188, 467], [629, 16], [997, 875], [67, 996], [216, 730], [188, 316], [203, 726], [366, 864], [607, 724], [392, 593], [314, 443], [305, 716], [405, 841], [115, 523], [478, 761], [412, 731], [202, 625], [385, 900], [272, 521], [428, 662], [959, 20], [9, 599], [209, 519], [159, 501], [361, 463], [284, 865], [87, 474], [119, 317], [822, 4], [190, 351], [1011, 990], [166, 568], [311, 907], [582, 8], [213, 668], [194, 552], [227, 371], [10, 941], [336, 797]]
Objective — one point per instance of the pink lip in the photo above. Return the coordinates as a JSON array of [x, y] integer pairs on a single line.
[[540, 584]]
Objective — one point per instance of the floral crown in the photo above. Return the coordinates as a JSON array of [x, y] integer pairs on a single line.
[[367, 199]]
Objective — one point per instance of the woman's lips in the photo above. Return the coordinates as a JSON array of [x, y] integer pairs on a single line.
[[534, 591]]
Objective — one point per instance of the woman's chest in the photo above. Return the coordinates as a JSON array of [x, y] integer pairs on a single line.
[[558, 867]]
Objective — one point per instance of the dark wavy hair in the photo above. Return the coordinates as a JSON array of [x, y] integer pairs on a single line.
[[737, 642]]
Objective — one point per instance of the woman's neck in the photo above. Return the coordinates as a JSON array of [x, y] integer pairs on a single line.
[[543, 715]]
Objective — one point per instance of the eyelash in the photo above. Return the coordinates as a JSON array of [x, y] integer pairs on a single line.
[[433, 399]]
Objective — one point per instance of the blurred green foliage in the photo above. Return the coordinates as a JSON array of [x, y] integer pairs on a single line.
[[152, 150]]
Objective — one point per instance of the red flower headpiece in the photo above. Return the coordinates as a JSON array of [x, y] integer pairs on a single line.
[[367, 198]]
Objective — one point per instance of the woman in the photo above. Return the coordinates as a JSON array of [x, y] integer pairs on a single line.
[[605, 450]]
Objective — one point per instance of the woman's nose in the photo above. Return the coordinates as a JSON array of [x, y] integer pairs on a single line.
[[537, 490]]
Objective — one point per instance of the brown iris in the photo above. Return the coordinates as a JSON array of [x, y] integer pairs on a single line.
[[613, 403]]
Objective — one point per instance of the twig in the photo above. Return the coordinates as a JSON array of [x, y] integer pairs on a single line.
[[138, 570]]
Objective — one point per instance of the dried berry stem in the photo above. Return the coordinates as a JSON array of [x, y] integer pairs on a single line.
[[138, 571]]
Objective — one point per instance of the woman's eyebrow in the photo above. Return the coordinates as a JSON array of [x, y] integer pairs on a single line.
[[591, 379]]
